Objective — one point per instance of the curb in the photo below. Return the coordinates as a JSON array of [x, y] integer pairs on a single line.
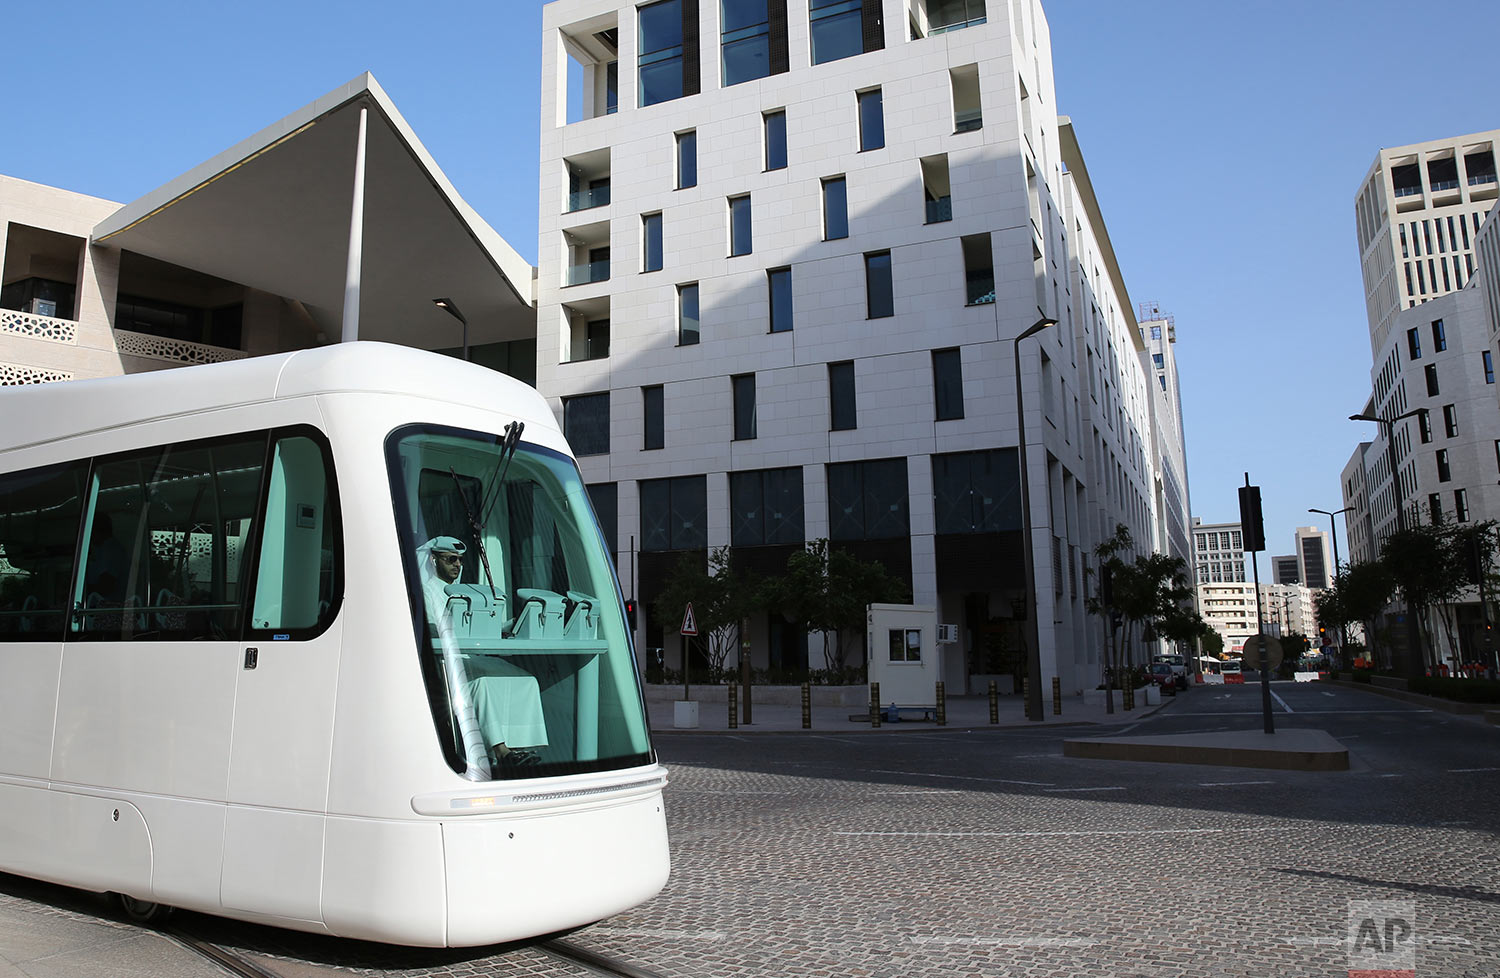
[[1477, 710], [912, 727]]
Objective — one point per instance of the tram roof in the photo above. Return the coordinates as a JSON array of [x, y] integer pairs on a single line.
[[47, 412], [273, 213]]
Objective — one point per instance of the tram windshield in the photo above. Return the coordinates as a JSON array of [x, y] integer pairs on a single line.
[[524, 649]]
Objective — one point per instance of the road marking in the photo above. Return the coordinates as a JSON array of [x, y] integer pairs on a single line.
[[1229, 784], [1471, 770], [1327, 694], [1313, 941], [1023, 756], [963, 777], [1283, 703], [1390, 775], [1195, 830], [1304, 713], [1007, 941], [1113, 788]]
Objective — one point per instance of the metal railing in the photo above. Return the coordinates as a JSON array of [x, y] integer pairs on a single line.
[[1479, 179], [939, 210], [1408, 191]]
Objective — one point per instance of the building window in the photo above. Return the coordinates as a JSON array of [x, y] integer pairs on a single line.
[[979, 270], [765, 507], [687, 314], [948, 384], [1445, 473], [651, 242], [743, 387], [1439, 336], [841, 413], [674, 513], [967, 116], [871, 120], [739, 225], [1156, 332], [936, 194], [844, 28], [586, 423], [929, 17], [687, 159], [835, 209], [1450, 420], [745, 41], [1424, 427], [977, 492], [1489, 366], [868, 500], [653, 406], [779, 284], [1414, 344], [668, 44], [879, 295], [1430, 372], [1461, 505], [775, 138], [1435, 507]]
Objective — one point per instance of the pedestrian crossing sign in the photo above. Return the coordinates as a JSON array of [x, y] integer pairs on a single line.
[[689, 623]]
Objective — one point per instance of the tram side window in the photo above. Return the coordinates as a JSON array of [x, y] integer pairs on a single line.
[[297, 584], [166, 541], [39, 511]]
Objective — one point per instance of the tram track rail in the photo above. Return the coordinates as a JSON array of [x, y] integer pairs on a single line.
[[599, 963], [232, 963]]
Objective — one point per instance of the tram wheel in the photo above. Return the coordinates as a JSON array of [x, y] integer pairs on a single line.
[[143, 911]]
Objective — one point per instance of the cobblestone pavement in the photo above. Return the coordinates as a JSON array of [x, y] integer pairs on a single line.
[[987, 853]]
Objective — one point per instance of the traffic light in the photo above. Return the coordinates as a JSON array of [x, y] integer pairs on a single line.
[[630, 612], [1251, 523]]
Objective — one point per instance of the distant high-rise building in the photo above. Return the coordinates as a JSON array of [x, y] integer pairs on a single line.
[[1286, 569], [1313, 559], [1169, 446], [1218, 553]]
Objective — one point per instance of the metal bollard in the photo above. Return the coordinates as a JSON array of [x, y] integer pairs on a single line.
[[1056, 696], [1026, 697], [994, 702], [1128, 695], [874, 704], [734, 707], [942, 706], [746, 693], [806, 706]]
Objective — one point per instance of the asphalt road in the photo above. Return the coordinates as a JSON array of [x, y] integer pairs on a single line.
[[986, 852]]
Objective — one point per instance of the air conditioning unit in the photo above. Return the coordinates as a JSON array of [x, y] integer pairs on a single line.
[[947, 634], [42, 307]]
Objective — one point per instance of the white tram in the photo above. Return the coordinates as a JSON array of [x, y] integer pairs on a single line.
[[323, 640]]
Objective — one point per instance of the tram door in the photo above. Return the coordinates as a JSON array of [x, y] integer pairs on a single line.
[[284, 698]]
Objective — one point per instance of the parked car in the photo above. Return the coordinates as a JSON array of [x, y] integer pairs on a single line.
[[1232, 672], [1163, 676], [1179, 667]]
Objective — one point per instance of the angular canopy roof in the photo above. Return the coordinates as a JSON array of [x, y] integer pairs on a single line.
[[272, 213]]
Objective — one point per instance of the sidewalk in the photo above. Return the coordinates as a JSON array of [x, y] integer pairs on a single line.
[[963, 712]]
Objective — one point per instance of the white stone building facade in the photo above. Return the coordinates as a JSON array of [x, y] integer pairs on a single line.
[[783, 259]]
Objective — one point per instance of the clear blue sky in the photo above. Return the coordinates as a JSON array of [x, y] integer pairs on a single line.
[[1225, 142]]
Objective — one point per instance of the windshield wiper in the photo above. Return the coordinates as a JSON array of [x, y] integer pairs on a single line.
[[508, 444], [478, 531]]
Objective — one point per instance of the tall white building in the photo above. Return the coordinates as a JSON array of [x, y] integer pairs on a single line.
[[1230, 610], [1169, 444], [1416, 214], [1289, 609], [1314, 559], [785, 252]]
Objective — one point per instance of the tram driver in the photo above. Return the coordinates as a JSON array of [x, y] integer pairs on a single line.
[[507, 699]]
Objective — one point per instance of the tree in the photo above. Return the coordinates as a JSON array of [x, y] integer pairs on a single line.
[[1426, 570], [722, 597], [1360, 593], [827, 590], [1213, 642]]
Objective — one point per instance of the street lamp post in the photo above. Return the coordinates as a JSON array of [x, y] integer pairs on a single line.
[[1034, 653], [448, 306], [1413, 637], [1333, 527]]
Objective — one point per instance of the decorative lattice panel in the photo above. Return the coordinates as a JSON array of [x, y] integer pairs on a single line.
[[177, 351], [14, 375], [38, 327]]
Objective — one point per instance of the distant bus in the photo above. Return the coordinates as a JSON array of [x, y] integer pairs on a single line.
[[326, 640]]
